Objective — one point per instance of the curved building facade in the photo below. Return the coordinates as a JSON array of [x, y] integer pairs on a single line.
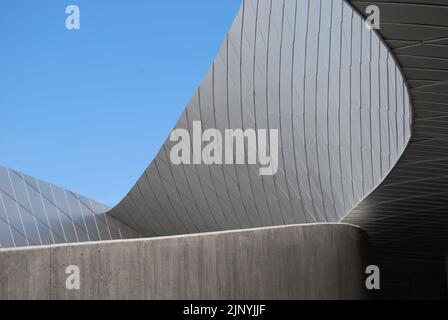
[[33, 212], [409, 208], [405, 216], [336, 123], [309, 74], [314, 72]]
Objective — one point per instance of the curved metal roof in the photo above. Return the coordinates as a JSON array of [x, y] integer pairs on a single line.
[[315, 72], [410, 209], [334, 90], [34, 212]]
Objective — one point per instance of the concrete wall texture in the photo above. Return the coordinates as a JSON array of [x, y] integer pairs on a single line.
[[322, 261]]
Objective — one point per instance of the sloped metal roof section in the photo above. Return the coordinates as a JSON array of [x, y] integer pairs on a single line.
[[315, 72], [409, 209], [33, 212]]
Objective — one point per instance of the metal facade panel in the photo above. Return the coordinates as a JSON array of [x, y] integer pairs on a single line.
[[316, 73], [33, 212], [408, 210]]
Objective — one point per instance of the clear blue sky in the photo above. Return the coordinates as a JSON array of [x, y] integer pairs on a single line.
[[88, 110]]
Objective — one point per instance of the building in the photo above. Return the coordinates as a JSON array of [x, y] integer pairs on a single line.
[[33, 213], [361, 122]]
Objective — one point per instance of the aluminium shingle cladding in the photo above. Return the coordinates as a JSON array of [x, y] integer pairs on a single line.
[[312, 70], [409, 209], [33, 212]]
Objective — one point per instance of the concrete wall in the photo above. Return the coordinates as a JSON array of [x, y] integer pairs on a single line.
[[324, 261]]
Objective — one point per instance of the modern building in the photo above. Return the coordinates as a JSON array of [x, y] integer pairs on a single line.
[[362, 140], [33, 213]]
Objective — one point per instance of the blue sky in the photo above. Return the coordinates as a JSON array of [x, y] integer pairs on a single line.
[[89, 109]]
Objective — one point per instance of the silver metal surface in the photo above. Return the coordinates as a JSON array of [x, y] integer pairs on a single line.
[[314, 71], [33, 212], [409, 210]]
